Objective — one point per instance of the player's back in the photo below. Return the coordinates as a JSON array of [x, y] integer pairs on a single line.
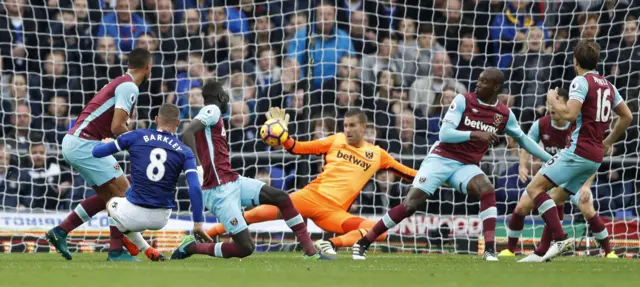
[[477, 116], [157, 159], [94, 122], [553, 138], [599, 97], [213, 149]]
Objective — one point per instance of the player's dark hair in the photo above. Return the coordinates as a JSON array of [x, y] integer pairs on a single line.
[[587, 54], [563, 94], [138, 58], [169, 113], [362, 116]]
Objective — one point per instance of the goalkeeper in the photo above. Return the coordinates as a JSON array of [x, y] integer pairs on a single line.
[[350, 162]]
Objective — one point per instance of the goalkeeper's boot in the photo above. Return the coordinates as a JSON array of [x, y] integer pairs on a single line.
[[121, 255], [154, 255], [317, 256], [359, 251], [58, 238], [557, 248], [182, 252], [325, 246], [532, 258], [130, 246], [489, 256], [611, 255], [506, 253]]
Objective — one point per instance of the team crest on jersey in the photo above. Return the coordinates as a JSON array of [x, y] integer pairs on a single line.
[[497, 119], [474, 110], [422, 179], [116, 166], [368, 154], [546, 137], [234, 221]]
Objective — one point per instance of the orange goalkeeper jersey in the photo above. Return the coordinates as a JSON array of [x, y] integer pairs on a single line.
[[347, 168]]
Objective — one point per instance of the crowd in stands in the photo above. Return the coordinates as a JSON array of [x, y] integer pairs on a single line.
[[402, 61]]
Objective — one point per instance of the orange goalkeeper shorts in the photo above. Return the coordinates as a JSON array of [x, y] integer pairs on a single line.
[[325, 214]]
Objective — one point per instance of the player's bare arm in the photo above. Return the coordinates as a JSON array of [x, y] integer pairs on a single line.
[[189, 139], [624, 120], [525, 161], [119, 122], [568, 111]]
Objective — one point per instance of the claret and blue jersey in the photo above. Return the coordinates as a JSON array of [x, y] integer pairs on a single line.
[[157, 160]]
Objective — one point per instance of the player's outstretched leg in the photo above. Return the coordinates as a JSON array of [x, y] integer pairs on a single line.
[[389, 220], [537, 190], [597, 227], [151, 253], [350, 238], [81, 214], [261, 213], [242, 246], [545, 242], [516, 224], [481, 187], [288, 212]]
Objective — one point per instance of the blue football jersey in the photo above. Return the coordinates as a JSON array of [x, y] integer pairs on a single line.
[[157, 159]]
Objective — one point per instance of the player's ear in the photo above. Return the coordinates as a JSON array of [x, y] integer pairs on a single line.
[[156, 121]]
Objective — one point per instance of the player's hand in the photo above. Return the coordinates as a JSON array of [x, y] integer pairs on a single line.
[[200, 171], [607, 148], [278, 114], [524, 174], [200, 234], [584, 194], [552, 94], [107, 140], [486, 137]]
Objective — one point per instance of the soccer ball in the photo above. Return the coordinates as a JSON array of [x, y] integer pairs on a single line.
[[273, 133]]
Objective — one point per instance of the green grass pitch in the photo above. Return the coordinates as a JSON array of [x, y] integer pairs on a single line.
[[288, 269]]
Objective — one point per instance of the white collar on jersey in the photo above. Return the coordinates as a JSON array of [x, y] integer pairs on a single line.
[[483, 103], [130, 75], [566, 126]]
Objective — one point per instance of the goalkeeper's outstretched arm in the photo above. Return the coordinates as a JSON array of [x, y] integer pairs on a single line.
[[316, 147]]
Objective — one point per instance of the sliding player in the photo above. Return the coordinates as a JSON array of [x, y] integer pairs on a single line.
[[350, 162], [554, 133], [591, 100], [225, 191], [157, 158], [105, 116], [471, 125]]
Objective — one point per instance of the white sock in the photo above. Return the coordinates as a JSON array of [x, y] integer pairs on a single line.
[[138, 240]]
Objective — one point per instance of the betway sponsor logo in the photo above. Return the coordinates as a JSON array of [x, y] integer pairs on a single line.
[[479, 125], [353, 159]]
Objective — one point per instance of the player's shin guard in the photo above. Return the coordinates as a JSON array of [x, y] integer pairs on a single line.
[[488, 215], [546, 208], [388, 221], [296, 223], [600, 233], [516, 224], [220, 250], [83, 213], [115, 241], [546, 238]]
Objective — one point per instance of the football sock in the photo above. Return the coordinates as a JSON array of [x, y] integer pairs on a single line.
[[516, 224], [545, 239], [388, 221], [600, 233], [220, 250], [138, 240], [546, 208], [83, 213], [115, 239], [488, 215], [296, 223]]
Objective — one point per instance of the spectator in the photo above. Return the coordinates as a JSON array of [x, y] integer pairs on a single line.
[[383, 60], [288, 85], [66, 36], [386, 80], [299, 113], [468, 62], [194, 33], [107, 65], [196, 102], [347, 97], [238, 54], [172, 39], [17, 135], [150, 98], [45, 182], [611, 15], [56, 122], [426, 46], [123, 25], [216, 38], [9, 184], [330, 45], [626, 57], [407, 51], [194, 77], [424, 90], [267, 71], [240, 86], [384, 194], [347, 8], [450, 25], [88, 15], [55, 80], [348, 68], [20, 93], [362, 34], [266, 35], [19, 33], [243, 137], [295, 23], [237, 21], [530, 74], [510, 29], [371, 134], [407, 142], [443, 101]]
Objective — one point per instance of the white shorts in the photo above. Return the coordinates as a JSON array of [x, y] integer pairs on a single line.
[[129, 217]]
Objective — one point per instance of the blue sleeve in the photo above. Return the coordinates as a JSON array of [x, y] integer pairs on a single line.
[[209, 115], [500, 30], [195, 190], [514, 131], [104, 149], [617, 98], [126, 96], [456, 109], [534, 132], [579, 88], [126, 140]]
